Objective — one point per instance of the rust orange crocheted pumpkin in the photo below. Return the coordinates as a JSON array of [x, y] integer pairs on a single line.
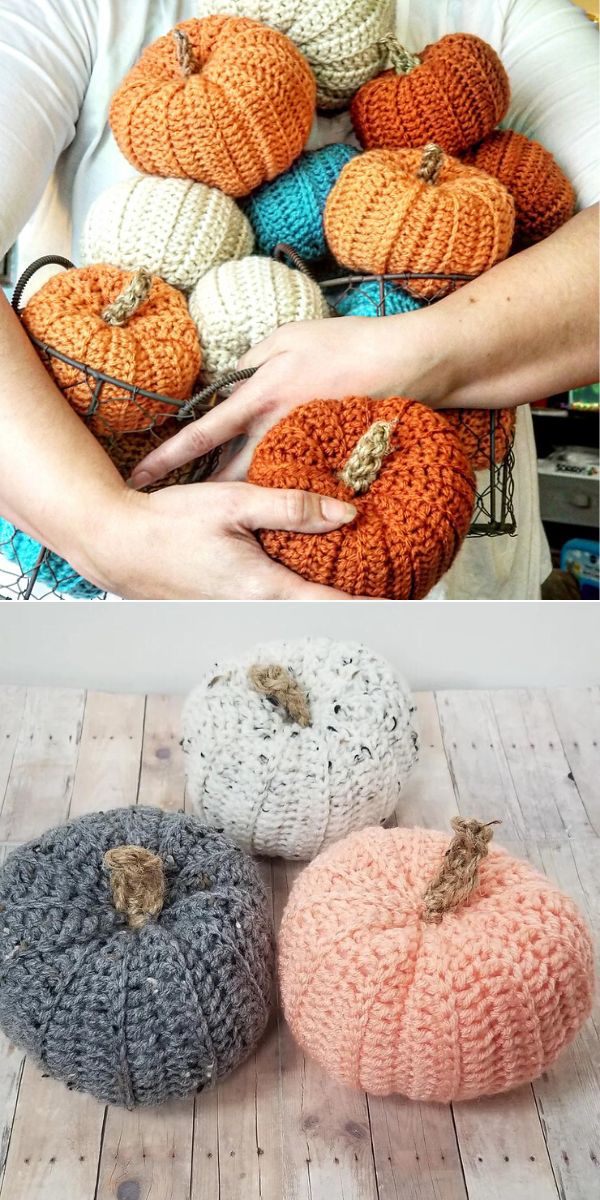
[[402, 467], [544, 198], [453, 93], [225, 100], [472, 428], [134, 328], [421, 211]]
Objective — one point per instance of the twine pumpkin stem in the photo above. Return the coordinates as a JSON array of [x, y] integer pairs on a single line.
[[276, 682], [128, 302], [137, 881], [185, 56], [364, 463], [399, 59], [459, 873], [431, 163]]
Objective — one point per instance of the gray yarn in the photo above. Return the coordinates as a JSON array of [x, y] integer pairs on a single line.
[[134, 1016]]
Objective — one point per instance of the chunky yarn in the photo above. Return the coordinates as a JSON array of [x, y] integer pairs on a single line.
[[418, 211], [136, 954], [441, 969], [236, 305], [225, 101], [402, 467], [295, 744], [365, 299], [290, 208], [343, 40], [135, 329], [453, 92], [472, 429], [57, 574], [544, 198], [174, 228]]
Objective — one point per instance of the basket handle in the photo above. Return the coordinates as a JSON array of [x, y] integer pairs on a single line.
[[48, 260], [201, 402]]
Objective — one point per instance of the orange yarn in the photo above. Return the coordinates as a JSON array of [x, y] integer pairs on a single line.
[[156, 348], [387, 1001], [544, 198], [472, 429], [418, 210], [232, 111], [412, 518], [454, 95]]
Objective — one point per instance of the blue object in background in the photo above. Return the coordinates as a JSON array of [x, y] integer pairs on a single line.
[[581, 558], [290, 208], [364, 299], [54, 571]]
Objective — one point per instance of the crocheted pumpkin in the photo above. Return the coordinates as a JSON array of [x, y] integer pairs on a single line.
[[414, 964], [136, 954], [366, 299], [402, 467], [544, 198], [135, 329], [297, 743], [453, 93], [418, 210], [172, 227], [290, 208], [237, 304], [57, 574], [472, 429], [342, 40], [225, 101]]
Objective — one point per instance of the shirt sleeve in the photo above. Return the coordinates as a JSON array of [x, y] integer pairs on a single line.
[[47, 48], [550, 51]]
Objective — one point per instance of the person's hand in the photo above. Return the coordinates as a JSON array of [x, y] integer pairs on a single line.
[[196, 542], [299, 362]]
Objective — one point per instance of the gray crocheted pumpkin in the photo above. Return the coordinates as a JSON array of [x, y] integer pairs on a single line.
[[136, 954]]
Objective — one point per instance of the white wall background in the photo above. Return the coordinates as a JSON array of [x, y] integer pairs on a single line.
[[164, 647]]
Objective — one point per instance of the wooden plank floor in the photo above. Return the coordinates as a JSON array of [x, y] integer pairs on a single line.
[[278, 1129]]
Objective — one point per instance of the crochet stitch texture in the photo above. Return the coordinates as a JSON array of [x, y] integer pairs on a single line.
[[482, 1001], [472, 429], [279, 788], [290, 208], [364, 299], [134, 1014], [23, 550], [237, 304], [174, 228], [241, 114]]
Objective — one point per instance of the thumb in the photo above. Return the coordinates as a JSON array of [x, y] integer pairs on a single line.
[[280, 508]]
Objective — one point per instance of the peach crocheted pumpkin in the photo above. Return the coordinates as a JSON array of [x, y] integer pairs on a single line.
[[472, 428], [544, 198], [225, 101], [421, 211], [453, 93], [134, 328], [402, 467], [417, 964]]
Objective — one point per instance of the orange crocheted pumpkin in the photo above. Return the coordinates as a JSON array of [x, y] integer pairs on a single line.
[[452, 93], [544, 198], [225, 100], [421, 211], [134, 328], [126, 450], [402, 467], [472, 428]]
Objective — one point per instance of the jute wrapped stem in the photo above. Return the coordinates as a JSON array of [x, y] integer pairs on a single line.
[[128, 302], [185, 56], [276, 682], [137, 882], [364, 463], [398, 58], [459, 872], [431, 163]]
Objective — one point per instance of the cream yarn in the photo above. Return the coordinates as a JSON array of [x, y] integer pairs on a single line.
[[239, 303], [341, 39], [173, 227], [276, 786]]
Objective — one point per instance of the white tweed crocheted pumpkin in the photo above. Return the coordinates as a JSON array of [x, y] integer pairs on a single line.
[[298, 743], [342, 39], [239, 303], [173, 227]]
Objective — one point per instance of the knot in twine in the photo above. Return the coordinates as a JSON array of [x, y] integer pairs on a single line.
[[128, 302], [459, 872], [431, 163], [137, 881], [275, 681], [397, 56], [364, 463], [185, 54]]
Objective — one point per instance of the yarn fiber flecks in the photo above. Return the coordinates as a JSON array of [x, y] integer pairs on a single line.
[[284, 778], [225, 101], [419, 211], [136, 954], [396, 980], [453, 93], [174, 228], [411, 518], [236, 305]]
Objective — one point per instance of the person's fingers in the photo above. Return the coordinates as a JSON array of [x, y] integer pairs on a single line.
[[218, 426], [270, 580], [237, 467], [245, 506], [262, 352]]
